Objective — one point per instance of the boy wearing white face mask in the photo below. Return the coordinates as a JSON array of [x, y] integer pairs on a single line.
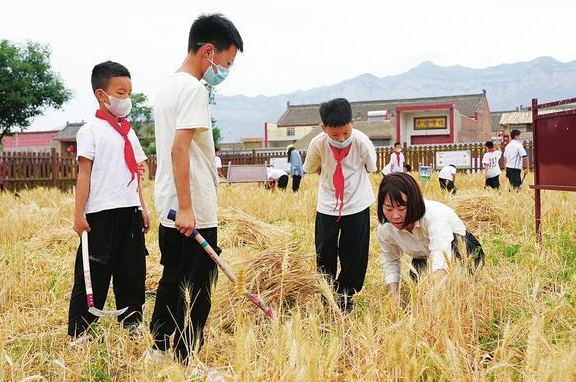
[[343, 156], [185, 181], [109, 204]]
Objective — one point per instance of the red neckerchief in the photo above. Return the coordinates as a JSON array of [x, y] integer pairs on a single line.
[[491, 150], [123, 128], [398, 157], [338, 177]]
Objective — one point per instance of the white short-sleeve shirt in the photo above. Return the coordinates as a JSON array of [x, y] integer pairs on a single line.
[[514, 154], [182, 103], [397, 162], [447, 172], [98, 141], [490, 161], [361, 160]]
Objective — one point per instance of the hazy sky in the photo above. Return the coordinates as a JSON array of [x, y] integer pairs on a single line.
[[288, 45]]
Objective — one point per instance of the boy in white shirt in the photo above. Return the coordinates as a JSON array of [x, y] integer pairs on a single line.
[[185, 182], [446, 177], [490, 160], [109, 204], [397, 160], [514, 156], [343, 156]]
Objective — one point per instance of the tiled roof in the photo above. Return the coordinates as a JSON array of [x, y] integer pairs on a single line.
[[308, 115]]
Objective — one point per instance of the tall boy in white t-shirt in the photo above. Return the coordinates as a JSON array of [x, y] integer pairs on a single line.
[[515, 156], [185, 181], [343, 157], [109, 204], [491, 160]]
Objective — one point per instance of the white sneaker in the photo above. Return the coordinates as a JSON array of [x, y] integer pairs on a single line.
[[153, 355], [80, 341], [208, 374]]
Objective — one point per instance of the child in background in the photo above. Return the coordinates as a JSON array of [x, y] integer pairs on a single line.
[[397, 160], [426, 230], [490, 160], [296, 170], [276, 177], [447, 177], [343, 156], [109, 204]]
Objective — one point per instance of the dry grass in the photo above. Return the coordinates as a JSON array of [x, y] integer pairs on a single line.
[[513, 321]]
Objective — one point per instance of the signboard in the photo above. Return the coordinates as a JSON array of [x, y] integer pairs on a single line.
[[280, 164], [429, 123], [425, 173], [554, 142], [462, 159]]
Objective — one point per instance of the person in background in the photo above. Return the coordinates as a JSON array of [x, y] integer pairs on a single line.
[[514, 157], [491, 160], [296, 170], [218, 162], [276, 177], [447, 177], [397, 160]]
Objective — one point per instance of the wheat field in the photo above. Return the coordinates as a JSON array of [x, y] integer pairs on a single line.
[[512, 321]]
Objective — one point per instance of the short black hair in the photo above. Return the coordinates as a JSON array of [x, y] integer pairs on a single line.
[[336, 112], [215, 29], [514, 133], [397, 143], [396, 184], [102, 73], [490, 144]]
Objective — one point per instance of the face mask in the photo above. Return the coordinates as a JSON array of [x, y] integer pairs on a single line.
[[214, 78], [398, 149], [120, 107], [340, 145]]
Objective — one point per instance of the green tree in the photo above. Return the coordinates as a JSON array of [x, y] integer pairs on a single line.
[[216, 133], [140, 118], [28, 86]]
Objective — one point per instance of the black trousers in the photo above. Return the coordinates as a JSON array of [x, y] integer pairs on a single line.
[[116, 249], [347, 240], [473, 249], [187, 267], [283, 182], [493, 182], [448, 185], [296, 182], [513, 175]]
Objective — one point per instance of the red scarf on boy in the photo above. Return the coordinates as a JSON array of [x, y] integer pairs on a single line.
[[122, 126], [338, 177], [398, 157]]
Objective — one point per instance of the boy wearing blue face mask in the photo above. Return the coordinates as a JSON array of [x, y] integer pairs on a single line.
[[343, 156], [109, 204], [185, 181]]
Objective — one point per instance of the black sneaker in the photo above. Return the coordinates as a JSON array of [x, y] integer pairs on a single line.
[[346, 304]]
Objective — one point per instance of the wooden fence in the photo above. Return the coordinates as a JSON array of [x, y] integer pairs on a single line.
[[27, 170]]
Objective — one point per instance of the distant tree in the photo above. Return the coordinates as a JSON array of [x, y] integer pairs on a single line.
[[140, 118], [28, 85], [216, 133]]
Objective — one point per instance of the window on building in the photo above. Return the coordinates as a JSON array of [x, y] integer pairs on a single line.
[[381, 142], [290, 131]]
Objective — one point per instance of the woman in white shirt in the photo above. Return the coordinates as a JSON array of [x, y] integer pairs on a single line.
[[426, 230]]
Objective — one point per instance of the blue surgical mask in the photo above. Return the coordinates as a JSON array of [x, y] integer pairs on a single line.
[[340, 145], [214, 78]]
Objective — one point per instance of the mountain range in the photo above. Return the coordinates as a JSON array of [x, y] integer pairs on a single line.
[[507, 85]]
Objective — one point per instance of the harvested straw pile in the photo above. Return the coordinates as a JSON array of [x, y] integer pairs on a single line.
[[239, 229], [283, 276], [481, 213]]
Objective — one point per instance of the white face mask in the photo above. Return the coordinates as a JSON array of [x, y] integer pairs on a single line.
[[120, 107]]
